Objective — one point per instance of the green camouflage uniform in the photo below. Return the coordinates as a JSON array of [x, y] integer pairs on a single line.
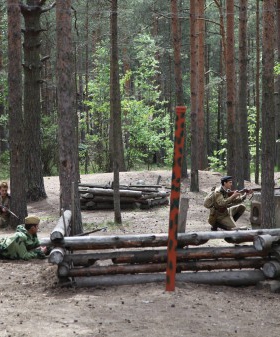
[[226, 209], [21, 246], [4, 216]]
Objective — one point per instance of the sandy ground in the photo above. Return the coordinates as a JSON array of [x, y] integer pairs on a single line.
[[33, 304]]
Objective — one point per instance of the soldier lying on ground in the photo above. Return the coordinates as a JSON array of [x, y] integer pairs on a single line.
[[24, 244]]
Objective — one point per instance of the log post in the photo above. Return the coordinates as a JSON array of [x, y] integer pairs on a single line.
[[59, 230], [183, 213]]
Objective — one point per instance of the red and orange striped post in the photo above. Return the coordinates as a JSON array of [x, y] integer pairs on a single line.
[[175, 197]]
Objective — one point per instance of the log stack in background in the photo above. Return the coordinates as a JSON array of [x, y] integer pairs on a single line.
[[93, 197]]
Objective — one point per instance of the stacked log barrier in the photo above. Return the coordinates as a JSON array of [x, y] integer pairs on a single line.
[[145, 255], [270, 245], [93, 197]]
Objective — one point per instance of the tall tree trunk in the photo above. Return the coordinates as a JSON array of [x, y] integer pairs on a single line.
[[3, 143], [243, 89], [35, 188], [268, 117], [202, 159], [115, 109], [277, 87], [67, 120], [177, 42], [231, 93], [17, 176], [115, 133], [193, 69], [257, 80]]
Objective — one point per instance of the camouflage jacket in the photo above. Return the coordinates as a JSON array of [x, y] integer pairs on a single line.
[[21, 246]]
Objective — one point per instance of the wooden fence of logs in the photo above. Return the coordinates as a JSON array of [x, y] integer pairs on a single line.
[[129, 259], [93, 197]]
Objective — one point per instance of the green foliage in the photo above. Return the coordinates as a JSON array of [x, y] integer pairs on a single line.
[[217, 162], [277, 68], [5, 165], [252, 135], [145, 122]]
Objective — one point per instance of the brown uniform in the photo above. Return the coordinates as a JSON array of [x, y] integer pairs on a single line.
[[226, 210], [4, 216]]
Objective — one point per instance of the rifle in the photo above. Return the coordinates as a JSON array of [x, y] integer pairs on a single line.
[[103, 229], [249, 191], [9, 211]]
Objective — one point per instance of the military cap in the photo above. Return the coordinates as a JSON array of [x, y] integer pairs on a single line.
[[32, 220], [226, 179]]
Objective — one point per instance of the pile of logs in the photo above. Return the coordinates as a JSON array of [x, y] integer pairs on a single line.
[[93, 197], [128, 259]]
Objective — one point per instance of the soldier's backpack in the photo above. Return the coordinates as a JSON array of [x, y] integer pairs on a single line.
[[210, 199]]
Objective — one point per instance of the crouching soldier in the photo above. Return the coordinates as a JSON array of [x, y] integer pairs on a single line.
[[24, 244]]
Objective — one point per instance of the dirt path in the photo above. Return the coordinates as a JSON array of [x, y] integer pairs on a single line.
[[32, 304]]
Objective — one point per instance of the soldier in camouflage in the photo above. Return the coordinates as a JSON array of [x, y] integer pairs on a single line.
[[4, 205], [228, 206], [24, 244]]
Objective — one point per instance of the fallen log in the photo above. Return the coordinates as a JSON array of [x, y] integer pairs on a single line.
[[264, 242], [228, 278], [86, 185], [109, 191], [91, 205], [62, 228], [160, 255], [155, 240], [147, 203], [271, 269], [110, 198], [254, 263]]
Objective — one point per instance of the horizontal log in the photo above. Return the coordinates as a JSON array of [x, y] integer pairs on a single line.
[[62, 228], [107, 205], [86, 185], [145, 204], [109, 191], [271, 269], [110, 198], [56, 255], [228, 278], [155, 240], [160, 255], [254, 263], [264, 242], [145, 186]]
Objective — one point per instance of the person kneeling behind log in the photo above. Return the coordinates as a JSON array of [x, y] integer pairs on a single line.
[[24, 243], [227, 206]]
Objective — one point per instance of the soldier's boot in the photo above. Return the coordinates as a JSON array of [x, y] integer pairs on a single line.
[[214, 228], [242, 228]]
